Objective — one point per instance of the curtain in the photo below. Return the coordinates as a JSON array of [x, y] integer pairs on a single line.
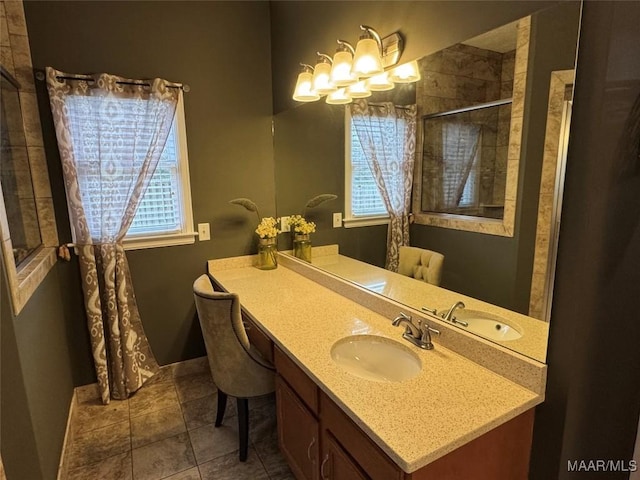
[[460, 146], [387, 135], [111, 133]]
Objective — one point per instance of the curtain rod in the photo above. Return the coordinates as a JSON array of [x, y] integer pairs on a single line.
[[41, 76], [495, 103], [401, 107]]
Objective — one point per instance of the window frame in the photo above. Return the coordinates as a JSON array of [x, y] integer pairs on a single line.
[[186, 235], [350, 220]]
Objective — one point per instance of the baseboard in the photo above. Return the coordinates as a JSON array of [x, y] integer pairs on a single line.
[[61, 465]]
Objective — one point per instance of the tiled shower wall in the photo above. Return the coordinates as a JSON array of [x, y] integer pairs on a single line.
[[15, 56], [461, 76]]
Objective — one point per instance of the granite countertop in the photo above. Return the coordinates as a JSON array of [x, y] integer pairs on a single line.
[[417, 294], [451, 402]]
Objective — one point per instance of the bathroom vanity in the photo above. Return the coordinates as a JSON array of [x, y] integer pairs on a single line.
[[452, 418]]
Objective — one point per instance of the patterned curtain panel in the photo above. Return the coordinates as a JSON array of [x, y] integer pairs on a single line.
[[387, 135], [460, 151], [111, 132]]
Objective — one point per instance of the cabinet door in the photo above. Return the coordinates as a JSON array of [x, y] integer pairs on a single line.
[[298, 433], [336, 463]]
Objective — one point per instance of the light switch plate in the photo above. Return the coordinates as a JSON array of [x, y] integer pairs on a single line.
[[337, 220], [285, 226], [203, 232]]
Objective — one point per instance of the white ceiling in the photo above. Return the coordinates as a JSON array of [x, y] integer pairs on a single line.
[[501, 40]]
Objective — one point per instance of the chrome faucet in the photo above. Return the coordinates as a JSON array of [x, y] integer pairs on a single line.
[[448, 316], [419, 335]]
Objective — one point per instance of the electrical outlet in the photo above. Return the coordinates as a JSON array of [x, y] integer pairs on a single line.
[[337, 220], [203, 232], [285, 226]]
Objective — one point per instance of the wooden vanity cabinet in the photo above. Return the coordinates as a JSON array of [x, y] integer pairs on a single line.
[[298, 433], [321, 442], [298, 425], [312, 427]]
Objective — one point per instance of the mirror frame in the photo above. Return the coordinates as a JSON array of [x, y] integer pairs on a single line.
[[506, 226], [23, 281]]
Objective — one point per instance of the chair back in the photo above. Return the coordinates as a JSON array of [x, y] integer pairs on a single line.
[[236, 368], [421, 264]]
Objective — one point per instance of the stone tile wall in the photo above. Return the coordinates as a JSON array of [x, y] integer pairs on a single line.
[[462, 76], [15, 56]]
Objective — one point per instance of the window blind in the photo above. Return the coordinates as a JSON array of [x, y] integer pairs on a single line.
[[109, 179], [365, 195]]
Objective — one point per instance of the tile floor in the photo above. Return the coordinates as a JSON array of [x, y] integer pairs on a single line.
[[165, 431]]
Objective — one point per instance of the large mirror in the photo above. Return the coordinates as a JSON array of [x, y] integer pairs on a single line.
[[501, 249]]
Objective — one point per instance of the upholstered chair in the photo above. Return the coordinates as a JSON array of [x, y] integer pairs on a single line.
[[421, 264], [237, 368]]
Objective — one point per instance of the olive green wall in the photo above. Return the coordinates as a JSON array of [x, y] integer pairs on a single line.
[[209, 46], [36, 381]]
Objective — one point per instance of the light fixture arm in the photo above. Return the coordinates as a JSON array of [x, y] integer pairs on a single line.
[[307, 67], [374, 34], [326, 57], [344, 46]]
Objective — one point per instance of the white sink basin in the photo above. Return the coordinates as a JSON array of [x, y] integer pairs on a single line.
[[487, 325], [376, 358]]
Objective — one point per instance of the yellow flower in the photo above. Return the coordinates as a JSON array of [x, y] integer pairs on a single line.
[[267, 228], [300, 225]]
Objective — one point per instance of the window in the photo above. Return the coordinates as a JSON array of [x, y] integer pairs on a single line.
[[464, 161], [364, 204], [164, 215]]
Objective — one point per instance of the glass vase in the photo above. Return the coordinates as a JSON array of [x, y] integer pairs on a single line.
[[267, 254], [302, 247]]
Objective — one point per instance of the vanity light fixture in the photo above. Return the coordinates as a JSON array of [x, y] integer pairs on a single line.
[[341, 75], [380, 82], [405, 73], [367, 61], [322, 75], [339, 97], [355, 73], [304, 91]]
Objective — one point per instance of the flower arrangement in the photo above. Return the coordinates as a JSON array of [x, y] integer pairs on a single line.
[[299, 225], [267, 231], [267, 228]]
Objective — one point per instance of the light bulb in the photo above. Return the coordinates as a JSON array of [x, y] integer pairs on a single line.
[[359, 90], [367, 60], [380, 82], [304, 87], [339, 97], [405, 73], [341, 70], [322, 79]]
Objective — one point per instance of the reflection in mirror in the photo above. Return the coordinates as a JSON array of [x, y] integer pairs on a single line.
[[15, 174], [481, 263], [459, 152]]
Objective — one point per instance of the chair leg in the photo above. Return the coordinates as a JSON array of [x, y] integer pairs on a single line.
[[243, 426], [222, 406]]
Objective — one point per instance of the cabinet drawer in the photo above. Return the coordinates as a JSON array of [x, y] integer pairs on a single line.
[[299, 381], [258, 338], [369, 456]]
